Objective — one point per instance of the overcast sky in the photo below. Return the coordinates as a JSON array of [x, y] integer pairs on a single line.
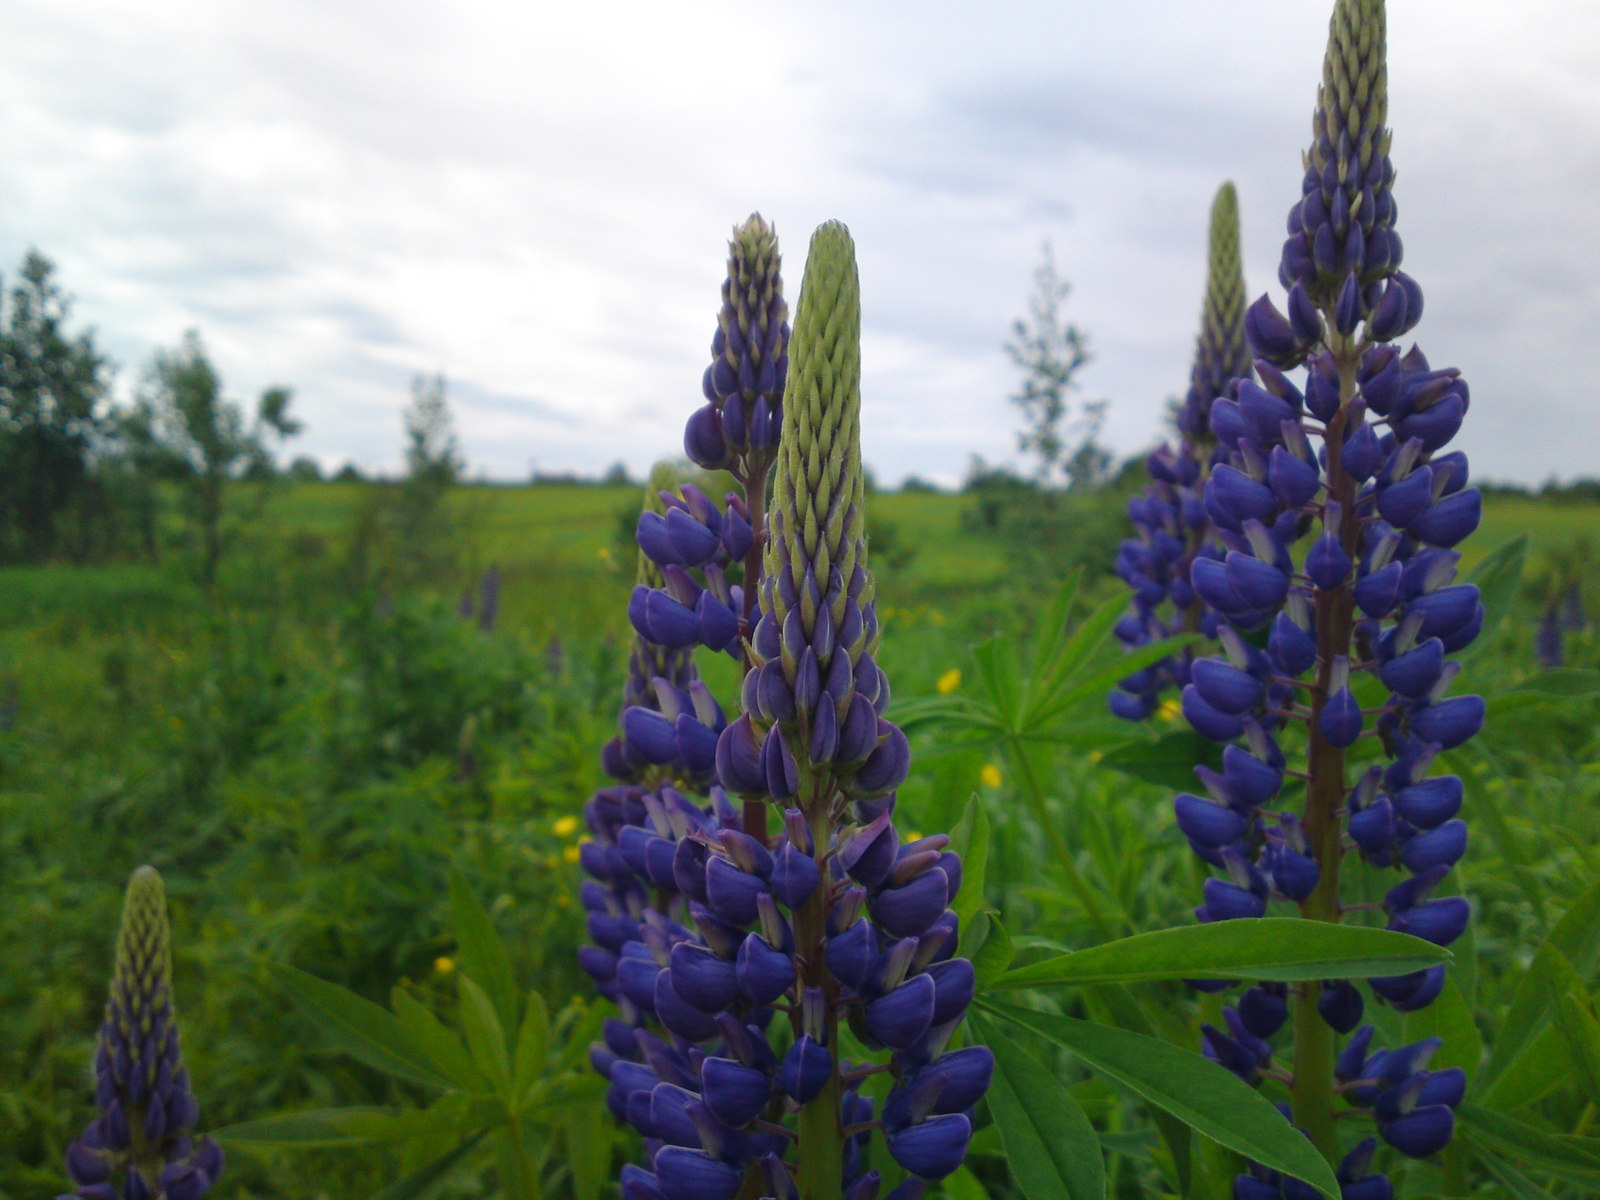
[[534, 199]]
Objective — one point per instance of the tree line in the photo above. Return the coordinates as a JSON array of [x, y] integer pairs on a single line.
[[85, 477]]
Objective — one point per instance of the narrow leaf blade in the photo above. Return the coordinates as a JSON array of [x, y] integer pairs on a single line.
[[970, 839], [1277, 948], [1210, 1100], [1050, 1145], [358, 1027], [483, 954]]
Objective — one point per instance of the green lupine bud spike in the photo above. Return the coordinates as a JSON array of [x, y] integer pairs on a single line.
[[816, 588], [818, 515], [1353, 99], [141, 989], [1341, 232], [1221, 353]]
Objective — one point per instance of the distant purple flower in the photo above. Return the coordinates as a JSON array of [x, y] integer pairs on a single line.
[[1548, 648]]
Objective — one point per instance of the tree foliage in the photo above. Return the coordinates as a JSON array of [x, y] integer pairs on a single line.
[[1050, 351], [53, 382], [184, 428]]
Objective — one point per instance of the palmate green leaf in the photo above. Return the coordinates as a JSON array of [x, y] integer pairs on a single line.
[[1050, 1145], [1114, 1004], [1102, 681], [1284, 949], [1573, 937], [1168, 760], [421, 1183], [338, 1127], [962, 1184], [1558, 681], [931, 710], [442, 1045], [1574, 1022], [1448, 1017], [1000, 678], [1506, 841], [519, 1173], [563, 1091], [587, 1147], [1498, 577], [991, 951], [486, 1037], [533, 1045], [358, 1027], [1212, 1101], [1050, 627], [483, 954], [1541, 1068], [1518, 1186], [1087, 638], [1575, 1159], [970, 839]]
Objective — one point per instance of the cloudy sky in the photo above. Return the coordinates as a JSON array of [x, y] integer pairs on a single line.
[[534, 199]]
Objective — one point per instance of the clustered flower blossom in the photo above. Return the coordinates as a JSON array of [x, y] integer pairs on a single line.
[[141, 1146], [1169, 516], [1338, 511], [734, 955]]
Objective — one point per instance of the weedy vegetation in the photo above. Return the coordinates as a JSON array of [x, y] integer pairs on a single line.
[[1225, 828]]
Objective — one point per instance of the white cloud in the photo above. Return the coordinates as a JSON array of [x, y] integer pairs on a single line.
[[534, 199]]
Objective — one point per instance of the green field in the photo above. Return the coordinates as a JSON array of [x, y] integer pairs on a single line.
[[305, 752]]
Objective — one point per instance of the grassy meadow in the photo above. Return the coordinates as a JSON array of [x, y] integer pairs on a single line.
[[306, 750]]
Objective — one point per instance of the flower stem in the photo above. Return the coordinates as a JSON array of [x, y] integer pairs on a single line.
[[755, 498], [1311, 1097], [1060, 851], [821, 1145]]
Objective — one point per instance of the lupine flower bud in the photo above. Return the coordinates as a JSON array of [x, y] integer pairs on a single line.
[[147, 1110], [739, 426]]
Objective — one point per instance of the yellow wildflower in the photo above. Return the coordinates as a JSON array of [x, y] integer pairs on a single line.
[[565, 826], [949, 681], [444, 965], [570, 854], [911, 836], [1095, 756], [990, 776], [1170, 709]]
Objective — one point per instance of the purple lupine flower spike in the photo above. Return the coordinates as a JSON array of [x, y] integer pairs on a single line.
[[704, 925], [1169, 516], [143, 1137], [696, 544], [1344, 556], [1548, 649]]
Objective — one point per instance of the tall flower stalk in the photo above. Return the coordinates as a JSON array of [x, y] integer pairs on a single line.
[[1169, 518], [141, 1145], [739, 957], [1339, 513]]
